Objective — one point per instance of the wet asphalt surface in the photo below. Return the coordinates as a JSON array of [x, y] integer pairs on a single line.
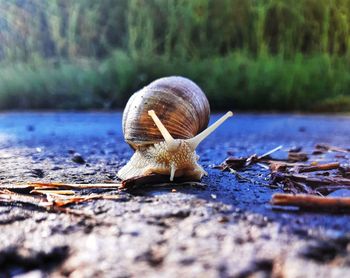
[[223, 229]]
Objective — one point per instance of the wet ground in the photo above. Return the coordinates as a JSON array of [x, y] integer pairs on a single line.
[[223, 229]]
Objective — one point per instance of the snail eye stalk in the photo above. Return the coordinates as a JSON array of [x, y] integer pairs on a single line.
[[169, 140], [195, 141]]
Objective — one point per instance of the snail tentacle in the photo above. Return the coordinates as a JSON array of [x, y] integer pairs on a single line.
[[195, 141], [172, 171], [171, 143]]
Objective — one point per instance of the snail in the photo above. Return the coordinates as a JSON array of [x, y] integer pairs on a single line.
[[167, 145]]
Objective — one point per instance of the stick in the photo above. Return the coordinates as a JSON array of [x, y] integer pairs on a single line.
[[53, 192], [60, 202], [8, 197], [269, 152], [240, 177], [48, 185], [326, 147], [312, 181], [310, 201], [263, 166], [321, 167]]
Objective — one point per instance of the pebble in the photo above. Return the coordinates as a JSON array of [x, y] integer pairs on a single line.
[[296, 149], [77, 158], [223, 219], [320, 251], [37, 173]]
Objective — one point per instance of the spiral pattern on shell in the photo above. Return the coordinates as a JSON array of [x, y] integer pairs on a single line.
[[179, 103]]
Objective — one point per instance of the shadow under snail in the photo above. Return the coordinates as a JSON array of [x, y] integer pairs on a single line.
[[167, 145]]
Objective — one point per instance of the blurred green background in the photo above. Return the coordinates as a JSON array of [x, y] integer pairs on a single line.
[[246, 54]]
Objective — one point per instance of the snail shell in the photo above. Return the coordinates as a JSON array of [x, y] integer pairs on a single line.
[[166, 145], [180, 104]]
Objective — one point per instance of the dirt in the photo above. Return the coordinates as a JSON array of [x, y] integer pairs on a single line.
[[225, 228]]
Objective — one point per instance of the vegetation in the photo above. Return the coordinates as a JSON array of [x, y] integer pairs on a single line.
[[256, 55]]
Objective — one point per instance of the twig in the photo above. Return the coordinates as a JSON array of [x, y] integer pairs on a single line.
[[310, 201], [242, 162], [270, 152], [321, 167], [60, 202], [312, 181], [9, 197], [239, 176], [285, 163], [53, 192], [263, 166], [325, 147], [53, 185]]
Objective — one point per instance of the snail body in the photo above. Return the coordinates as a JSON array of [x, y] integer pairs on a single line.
[[166, 145]]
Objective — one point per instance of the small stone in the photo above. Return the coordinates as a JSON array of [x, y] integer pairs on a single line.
[[77, 158], [320, 251], [296, 149], [37, 173], [187, 260], [223, 219]]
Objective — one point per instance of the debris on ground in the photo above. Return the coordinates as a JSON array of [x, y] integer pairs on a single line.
[[307, 184], [308, 178], [54, 196]]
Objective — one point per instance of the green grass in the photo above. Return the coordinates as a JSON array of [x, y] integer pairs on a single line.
[[248, 55], [235, 81]]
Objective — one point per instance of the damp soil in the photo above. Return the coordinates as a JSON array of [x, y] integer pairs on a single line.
[[224, 228]]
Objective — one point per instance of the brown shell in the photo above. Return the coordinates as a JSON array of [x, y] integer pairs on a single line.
[[179, 103]]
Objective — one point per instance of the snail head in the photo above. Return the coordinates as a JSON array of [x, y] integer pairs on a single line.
[[180, 153]]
